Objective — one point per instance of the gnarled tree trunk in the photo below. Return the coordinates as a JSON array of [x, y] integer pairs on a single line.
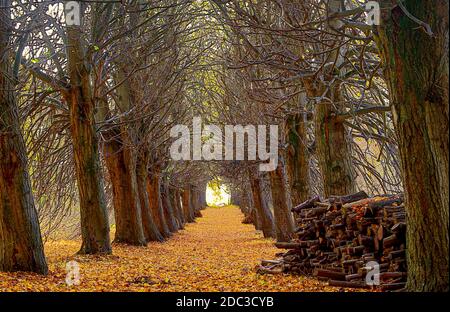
[[297, 164], [175, 200], [20, 238], [167, 207], [151, 231], [257, 222], [282, 204], [261, 207], [195, 202], [202, 196], [416, 68], [180, 205], [332, 140], [333, 146], [94, 217], [187, 205], [154, 193], [121, 163]]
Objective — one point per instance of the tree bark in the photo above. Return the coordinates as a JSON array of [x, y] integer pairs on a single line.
[[168, 209], [21, 246], [94, 217], [187, 205], [262, 209], [331, 138], [154, 192], [195, 202], [297, 163], [256, 217], [202, 194], [333, 146], [175, 201], [282, 204], [121, 163], [249, 210], [151, 231], [416, 69], [179, 206]]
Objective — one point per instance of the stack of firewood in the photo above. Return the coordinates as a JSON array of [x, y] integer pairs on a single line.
[[345, 239]]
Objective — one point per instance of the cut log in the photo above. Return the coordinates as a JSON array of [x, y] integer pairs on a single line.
[[365, 241], [376, 205], [391, 275], [351, 277], [393, 286], [330, 274], [307, 204], [288, 245], [338, 283], [268, 270], [390, 241], [339, 201], [397, 254]]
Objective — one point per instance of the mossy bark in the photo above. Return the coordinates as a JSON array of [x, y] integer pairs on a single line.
[[94, 216], [21, 246], [416, 69], [332, 143], [297, 164]]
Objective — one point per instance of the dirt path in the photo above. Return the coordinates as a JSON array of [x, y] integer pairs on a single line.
[[217, 253]]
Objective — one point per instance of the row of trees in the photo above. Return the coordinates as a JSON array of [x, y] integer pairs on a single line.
[[360, 107], [97, 101]]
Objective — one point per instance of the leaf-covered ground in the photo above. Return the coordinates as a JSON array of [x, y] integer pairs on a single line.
[[217, 253]]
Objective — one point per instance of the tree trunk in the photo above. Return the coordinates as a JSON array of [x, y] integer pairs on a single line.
[[94, 216], [154, 193], [332, 142], [179, 206], [121, 163], [256, 217], [175, 201], [297, 163], [334, 154], [187, 206], [202, 194], [331, 137], [149, 226], [168, 209], [256, 220], [244, 205], [21, 246], [416, 69], [195, 202], [262, 209], [236, 198], [282, 203]]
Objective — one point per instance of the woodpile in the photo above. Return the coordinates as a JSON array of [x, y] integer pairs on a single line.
[[341, 239]]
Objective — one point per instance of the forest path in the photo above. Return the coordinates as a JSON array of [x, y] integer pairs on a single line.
[[216, 253]]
